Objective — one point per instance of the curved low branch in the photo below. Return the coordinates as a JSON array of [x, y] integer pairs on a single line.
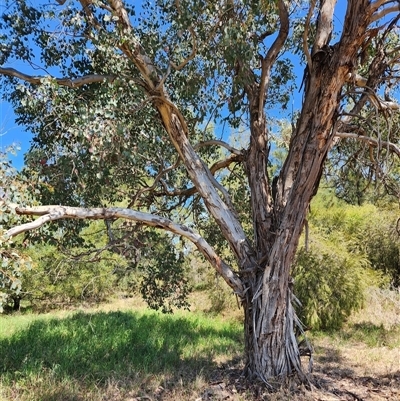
[[69, 82], [52, 213], [371, 141]]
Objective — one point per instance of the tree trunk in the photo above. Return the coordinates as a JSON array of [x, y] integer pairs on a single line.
[[278, 220], [271, 346], [16, 303]]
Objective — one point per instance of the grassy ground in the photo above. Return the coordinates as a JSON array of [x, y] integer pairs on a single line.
[[122, 351]]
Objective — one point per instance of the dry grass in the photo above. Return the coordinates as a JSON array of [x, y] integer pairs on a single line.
[[382, 307], [362, 362]]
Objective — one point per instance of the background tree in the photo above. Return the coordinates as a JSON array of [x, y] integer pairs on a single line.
[[126, 124], [15, 262]]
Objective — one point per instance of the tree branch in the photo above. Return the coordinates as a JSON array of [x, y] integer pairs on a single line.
[[89, 14], [324, 26], [191, 56], [380, 14], [226, 162], [379, 3], [362, 82], [68, 82], [305, 35], [219, 143], [272, 54], [132, 48], [213, 169], [53, 213], [371, 141]]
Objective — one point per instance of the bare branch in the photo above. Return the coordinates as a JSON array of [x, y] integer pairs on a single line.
[[190, 57], [68, 82], [53, 213], [362, 82], [380, 14], [324, 26], [269, 59], [219, 143], [157, 179], [371, 141], [226, 162], [379, 3], [305, 34]]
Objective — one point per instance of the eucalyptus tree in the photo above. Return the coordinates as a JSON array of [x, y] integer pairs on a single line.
[[119, 103]]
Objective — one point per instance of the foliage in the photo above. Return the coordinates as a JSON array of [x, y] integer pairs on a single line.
[[330, 285], [64, 278], [366, 174], [345, 255], [13, 258], [382, 242], [369, 229], [164, 283]]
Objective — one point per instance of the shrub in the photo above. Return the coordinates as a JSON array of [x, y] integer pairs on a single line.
[[329, 285]]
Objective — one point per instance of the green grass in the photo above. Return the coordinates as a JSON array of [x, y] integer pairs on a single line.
[[373, 335], [43, 355], [123, 351], [377, 324]]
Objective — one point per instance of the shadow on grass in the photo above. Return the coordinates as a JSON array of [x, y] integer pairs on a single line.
[[95, 348], [373, 335], [331, 360]]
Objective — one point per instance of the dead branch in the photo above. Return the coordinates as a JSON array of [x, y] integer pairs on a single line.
[[362, 82], [382, 13]]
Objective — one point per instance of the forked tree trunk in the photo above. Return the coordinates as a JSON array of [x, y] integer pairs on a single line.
[[271, 344]]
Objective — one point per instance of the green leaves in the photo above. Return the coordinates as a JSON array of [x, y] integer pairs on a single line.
[[350, 249], [14, 263], [164, 284]]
